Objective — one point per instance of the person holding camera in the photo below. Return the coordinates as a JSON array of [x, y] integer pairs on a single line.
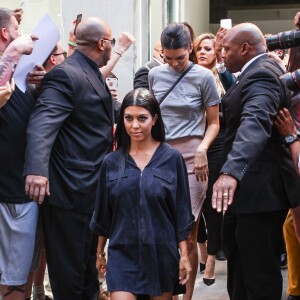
[[258, 183]]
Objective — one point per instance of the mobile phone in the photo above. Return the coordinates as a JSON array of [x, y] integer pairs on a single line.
[[112, 83], [226, 23], [12, 72], [78, 20]]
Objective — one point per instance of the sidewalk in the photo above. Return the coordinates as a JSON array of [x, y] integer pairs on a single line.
[[217, 291]]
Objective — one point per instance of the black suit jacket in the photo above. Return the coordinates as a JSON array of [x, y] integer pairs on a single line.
[[141, 76], [256, 156], [69, 133]]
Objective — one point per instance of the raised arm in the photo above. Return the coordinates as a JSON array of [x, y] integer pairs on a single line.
[[11, 56], [125, 40]]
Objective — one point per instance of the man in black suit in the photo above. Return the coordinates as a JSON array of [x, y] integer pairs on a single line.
[[141, 76], [257, 183], [69, 133]]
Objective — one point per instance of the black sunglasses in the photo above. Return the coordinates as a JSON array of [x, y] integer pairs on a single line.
[[64, 53], [113, 41]]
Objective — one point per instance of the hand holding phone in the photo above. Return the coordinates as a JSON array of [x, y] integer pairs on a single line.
[[112, 83], [78, 20]]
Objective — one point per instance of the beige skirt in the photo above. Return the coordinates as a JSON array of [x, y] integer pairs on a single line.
[[187, 146]]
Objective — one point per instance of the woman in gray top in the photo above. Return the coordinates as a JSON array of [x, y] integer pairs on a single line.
[[191, 116]]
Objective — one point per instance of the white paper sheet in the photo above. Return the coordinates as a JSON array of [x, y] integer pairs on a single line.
[[48, 34]]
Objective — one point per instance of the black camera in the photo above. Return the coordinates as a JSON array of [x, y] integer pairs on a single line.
[[292, 80], [283, 40]]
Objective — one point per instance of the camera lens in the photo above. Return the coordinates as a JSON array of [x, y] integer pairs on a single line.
[[292, 80], [283, 40]]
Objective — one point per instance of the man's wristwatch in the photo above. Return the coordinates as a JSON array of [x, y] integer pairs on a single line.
[[290, 139]]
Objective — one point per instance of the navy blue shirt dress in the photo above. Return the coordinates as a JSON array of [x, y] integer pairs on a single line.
[[145, 215]]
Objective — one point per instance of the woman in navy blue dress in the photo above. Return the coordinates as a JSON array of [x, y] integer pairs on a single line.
[[143, 206]]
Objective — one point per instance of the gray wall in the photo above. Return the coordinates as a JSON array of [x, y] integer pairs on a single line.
[[145, 19], [120, 16]]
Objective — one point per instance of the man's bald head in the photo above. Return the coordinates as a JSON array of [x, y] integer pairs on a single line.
[[248, 33], [244, 41], [157, 51], [91, 30], [93, 38]]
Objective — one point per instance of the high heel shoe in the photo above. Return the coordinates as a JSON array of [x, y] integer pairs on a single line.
[[202, 267], [209, 281]]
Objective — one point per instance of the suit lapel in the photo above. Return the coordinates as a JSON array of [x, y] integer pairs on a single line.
[[99, 86], [232, 88], [101, 90]]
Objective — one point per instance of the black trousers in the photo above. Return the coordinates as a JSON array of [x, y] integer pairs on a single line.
[[213, 219], [71, 254], [251, 243]]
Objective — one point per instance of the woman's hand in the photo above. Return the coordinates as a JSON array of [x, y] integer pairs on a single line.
[[185, 269], [284, 123], [125, 40], [201, 164], [101, 264]]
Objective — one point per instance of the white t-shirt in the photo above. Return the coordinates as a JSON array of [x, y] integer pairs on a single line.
[[183, 110]]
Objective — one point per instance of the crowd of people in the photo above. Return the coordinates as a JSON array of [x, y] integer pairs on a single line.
[[204, 149]]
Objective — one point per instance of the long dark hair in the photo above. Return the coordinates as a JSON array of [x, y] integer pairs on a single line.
[[144, 98], [178, 35]]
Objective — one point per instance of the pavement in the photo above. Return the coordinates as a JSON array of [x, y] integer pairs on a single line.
[[217, 291]]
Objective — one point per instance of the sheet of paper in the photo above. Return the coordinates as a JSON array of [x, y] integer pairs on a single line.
[[48, 34]]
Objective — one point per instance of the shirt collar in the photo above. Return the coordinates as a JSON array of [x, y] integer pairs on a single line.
[[158, 61], [92, 64], [250, 62]]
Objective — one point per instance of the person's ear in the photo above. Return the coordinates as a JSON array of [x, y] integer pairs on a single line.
[[161, 54], [154, 119], [4, 34], [101, 44], [52, 59], [245, 48]]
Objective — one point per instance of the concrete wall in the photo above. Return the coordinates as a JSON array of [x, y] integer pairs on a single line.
[[119, 14], [196, 12]]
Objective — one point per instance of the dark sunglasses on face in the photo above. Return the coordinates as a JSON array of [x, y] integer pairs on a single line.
[[113, 41], [64, 53]]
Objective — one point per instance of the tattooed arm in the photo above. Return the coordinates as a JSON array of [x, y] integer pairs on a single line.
[[10, 57]]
